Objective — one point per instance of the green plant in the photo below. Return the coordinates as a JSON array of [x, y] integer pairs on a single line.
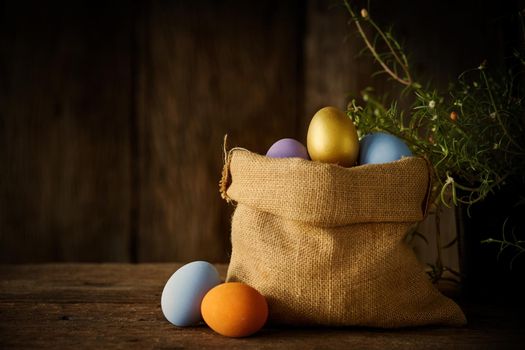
[[471, 133]]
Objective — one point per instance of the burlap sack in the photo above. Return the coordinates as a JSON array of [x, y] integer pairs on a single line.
[[325, 244]]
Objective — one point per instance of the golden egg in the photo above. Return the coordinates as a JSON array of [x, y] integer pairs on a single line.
[[332, 138]]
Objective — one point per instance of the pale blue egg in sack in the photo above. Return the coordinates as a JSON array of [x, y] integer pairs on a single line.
[[183, 293], [381, 147]]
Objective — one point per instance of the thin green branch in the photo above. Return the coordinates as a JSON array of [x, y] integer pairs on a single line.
[[496, 111], [372, 49]]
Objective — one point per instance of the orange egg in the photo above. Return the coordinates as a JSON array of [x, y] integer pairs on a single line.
[[234, 309]]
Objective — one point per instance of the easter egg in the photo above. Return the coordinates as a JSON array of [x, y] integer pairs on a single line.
[[381, 147], [182, 295], [287, 148], [234, 309], [332, 138]]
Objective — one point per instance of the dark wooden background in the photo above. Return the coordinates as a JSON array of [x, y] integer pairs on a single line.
[[112, 113]]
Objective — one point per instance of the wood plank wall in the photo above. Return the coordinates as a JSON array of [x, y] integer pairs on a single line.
[[65, 111], [112, 114], [195, 86]]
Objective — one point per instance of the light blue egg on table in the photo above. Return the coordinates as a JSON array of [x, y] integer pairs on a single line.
[[380, 147], [183, 293]]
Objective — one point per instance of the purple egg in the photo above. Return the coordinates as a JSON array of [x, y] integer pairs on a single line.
[[287, 148]]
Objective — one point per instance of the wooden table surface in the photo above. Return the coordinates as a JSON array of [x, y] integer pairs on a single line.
[[62, 306]]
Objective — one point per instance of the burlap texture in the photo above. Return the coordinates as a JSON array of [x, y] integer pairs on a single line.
[[325, 244]]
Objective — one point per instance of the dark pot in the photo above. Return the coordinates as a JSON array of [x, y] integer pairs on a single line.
[[488, 275]]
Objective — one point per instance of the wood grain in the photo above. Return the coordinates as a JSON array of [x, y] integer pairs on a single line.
[[208, 69], [112, 114], [118, 306], [334, 72], [64, 132]]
